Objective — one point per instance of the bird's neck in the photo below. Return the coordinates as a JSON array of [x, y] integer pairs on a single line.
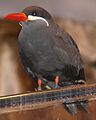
[[36, 32]]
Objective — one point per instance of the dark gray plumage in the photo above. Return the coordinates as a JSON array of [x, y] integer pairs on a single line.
[[48, 51]]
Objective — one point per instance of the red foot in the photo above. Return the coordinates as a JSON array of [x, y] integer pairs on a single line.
[[57, 80], [39, 82]]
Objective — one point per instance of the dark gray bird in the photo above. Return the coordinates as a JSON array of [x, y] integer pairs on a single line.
[[47, 52]]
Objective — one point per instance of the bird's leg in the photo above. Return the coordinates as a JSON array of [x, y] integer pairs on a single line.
[[39, 84], [52, 84], [57, 79]]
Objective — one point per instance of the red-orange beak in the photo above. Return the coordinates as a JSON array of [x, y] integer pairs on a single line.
[[16, 16]]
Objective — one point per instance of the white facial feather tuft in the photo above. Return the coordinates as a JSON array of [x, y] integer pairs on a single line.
[[30, 17]]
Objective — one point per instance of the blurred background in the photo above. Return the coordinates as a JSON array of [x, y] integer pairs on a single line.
[[84, 10], [78, 18]]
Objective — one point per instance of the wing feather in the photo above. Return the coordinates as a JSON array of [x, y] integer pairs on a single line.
[[68, 53]]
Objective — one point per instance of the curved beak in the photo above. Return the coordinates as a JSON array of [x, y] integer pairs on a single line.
[[16, 16]]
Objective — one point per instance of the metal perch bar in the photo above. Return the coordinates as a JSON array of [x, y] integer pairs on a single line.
[[36, 100]]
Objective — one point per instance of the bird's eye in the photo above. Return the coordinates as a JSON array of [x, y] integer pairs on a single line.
[[34, 13]]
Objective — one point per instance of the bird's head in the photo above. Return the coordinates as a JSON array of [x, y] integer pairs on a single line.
[[30, 14]]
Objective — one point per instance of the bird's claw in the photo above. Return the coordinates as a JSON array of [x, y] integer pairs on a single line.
[[50, 84], [39, 88]]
